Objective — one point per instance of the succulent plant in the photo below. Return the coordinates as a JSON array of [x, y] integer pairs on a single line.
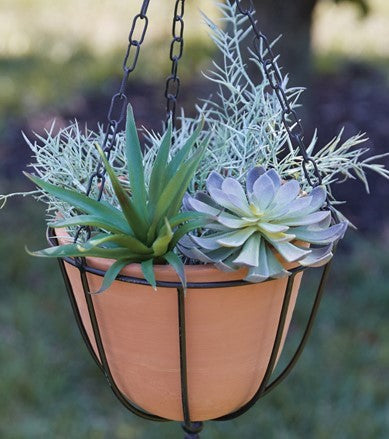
[[149, 224], [249, 228]]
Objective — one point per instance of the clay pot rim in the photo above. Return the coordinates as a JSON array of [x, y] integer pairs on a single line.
[[195, 273], [166, 273]]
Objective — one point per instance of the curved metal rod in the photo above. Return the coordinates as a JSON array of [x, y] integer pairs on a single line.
[[307, 332], [74, 305], [192, 429], [122, 398], [273, 356], [183, 357], [77, 315]]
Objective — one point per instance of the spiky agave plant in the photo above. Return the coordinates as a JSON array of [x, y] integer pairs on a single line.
[[249, 230], [149, 224]]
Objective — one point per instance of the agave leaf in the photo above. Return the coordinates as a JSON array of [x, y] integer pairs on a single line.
[[171, 198], [161, 244], [182, 154], [76, 250], [111, 274], [158, 177], [135, 165], [186, 228], [192, 165], [183, 217], [137, 223], [91, 221], [148, 273], [176, 262], [126, 241], [249, 256], [82, 202]]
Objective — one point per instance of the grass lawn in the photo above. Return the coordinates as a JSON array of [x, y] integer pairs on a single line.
[[51, 388]]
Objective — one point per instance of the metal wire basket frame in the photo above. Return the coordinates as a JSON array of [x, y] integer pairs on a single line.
[[191, 426]]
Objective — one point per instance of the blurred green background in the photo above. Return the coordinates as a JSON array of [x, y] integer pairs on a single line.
[[61, 60]]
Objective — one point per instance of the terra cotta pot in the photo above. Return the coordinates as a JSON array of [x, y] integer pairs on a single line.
[[230, 334]]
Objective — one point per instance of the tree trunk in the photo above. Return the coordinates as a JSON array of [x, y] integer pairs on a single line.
[[293, 20]]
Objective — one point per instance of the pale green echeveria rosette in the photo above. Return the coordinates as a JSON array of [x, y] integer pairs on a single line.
[[247, 228]]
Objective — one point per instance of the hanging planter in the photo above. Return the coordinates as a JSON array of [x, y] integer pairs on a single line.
[[183, 261], [230, 329]]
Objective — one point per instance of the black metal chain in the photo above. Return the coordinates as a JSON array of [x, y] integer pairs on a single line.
[[173, 82], [272, 72], [117, 109]]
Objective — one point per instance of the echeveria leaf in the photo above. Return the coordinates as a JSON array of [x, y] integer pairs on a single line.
[[326, 236], [312, 218], [318, 256], [236, 238], [260, 272], [276, 269], [286, 193], [214, 181], [290, 252], [263, 192], [249, 255], [252, 176]]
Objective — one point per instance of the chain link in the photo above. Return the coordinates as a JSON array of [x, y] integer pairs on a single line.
[[273, 74], [117, 108], [173, 83]]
